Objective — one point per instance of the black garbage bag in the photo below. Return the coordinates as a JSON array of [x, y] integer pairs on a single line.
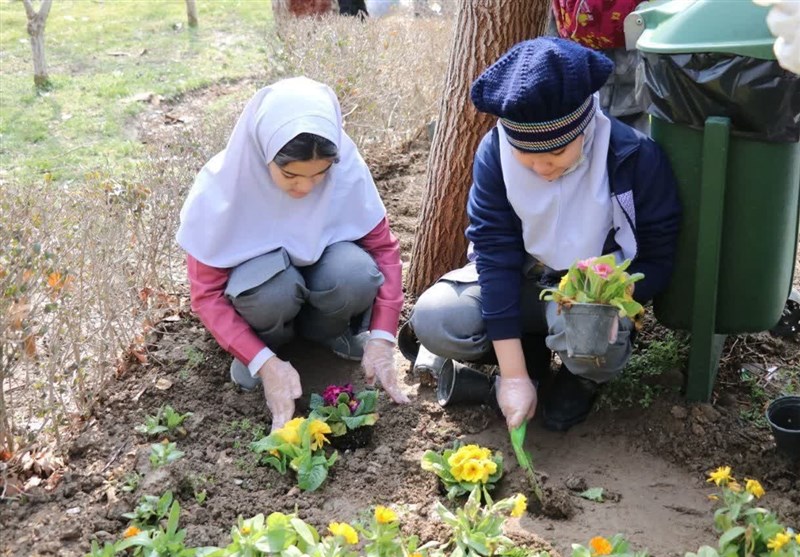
[[761, 99]]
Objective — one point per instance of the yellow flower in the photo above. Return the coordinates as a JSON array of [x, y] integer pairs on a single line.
[[489, 467], [721, 475], [472, 471], [563, 283], [797, 539], [600, 546], [520, 505], [779, 541], [713, 498], [735, 486], [385, 515], [290, 432], [415, 555], [130, 531], [754, 487], [245, 530], [344, 530], [471, 463], [318, 429]]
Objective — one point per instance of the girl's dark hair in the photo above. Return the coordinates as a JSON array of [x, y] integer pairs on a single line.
[[307, 147]]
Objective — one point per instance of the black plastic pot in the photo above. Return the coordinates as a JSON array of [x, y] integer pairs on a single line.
[[353, 439], [783, 415], [459, 384]]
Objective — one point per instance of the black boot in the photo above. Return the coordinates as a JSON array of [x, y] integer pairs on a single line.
[[568, 401]]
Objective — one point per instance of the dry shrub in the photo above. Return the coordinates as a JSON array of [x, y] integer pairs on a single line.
[[388, 73], [85, 270]]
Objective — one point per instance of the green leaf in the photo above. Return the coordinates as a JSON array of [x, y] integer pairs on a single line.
[[306, 533], [309, 479], [730, 536], [593, 494]]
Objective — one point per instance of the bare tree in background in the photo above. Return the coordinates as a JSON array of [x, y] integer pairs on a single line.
[[191, 13], [36, 23], [485, 29], [280, 9]]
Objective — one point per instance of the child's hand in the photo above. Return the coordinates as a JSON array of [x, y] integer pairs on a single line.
[[281, 387], [378, 363], [517, 398]]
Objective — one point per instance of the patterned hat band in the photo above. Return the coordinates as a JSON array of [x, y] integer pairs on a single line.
[[549, 136]]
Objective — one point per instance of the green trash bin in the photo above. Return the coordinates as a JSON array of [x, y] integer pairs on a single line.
[[728, 118]]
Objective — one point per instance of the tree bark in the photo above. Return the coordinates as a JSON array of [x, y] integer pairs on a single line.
[[36, 24], [485, 29], [191, 13]]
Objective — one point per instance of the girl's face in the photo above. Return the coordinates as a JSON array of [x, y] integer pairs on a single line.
[[553, 164], [298, 178]]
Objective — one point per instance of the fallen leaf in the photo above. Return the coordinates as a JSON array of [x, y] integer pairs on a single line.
[[593, 494]]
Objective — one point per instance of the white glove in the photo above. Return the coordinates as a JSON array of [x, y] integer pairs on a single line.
[[378, 362], [281, 387], [517, 399]]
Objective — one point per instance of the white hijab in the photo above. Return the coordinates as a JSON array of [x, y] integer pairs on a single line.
[[235, 212], [569, 218]]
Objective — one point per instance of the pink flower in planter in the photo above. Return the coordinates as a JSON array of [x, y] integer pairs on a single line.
[[584, 264], [331, 394], [603, 270]]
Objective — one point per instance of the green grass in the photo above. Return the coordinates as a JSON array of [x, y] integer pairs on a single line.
[[100, 53]]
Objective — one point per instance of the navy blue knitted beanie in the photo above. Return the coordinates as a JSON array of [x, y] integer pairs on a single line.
[[542, 90]]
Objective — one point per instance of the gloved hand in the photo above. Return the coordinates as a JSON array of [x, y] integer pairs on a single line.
[[378, 362], [516, 397], [281, 387]]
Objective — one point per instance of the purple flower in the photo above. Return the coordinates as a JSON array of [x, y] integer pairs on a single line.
[[331, 394]]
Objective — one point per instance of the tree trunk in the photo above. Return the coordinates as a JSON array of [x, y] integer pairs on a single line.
[[485, 29], [280, 10], [36, 24], [191, 13]]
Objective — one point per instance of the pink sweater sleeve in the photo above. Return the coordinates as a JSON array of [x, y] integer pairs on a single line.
[[384, 248], [207, 289]]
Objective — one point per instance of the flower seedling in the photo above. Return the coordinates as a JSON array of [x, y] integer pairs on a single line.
[[598, 280], [167, 420], [161, 541], [163, 453], [343, 410], [464, 469], [150, 510], [478, 530], [278, 534], [745, 528], [524, 459], [617, 545], [383, 537], [298, 445]]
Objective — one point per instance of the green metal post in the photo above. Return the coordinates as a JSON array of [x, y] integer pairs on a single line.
[[706, 345]]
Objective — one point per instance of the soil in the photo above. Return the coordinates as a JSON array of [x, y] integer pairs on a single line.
[[650, 462]]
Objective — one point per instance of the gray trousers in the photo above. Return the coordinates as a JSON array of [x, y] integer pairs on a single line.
[[319, 302], [447, 321]]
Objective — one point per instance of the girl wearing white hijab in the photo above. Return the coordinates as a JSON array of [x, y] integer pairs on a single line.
[[285, 233], [554, 182]]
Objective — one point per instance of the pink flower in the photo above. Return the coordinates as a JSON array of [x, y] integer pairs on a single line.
[[584, 264], [331, 394], [354, 403], [603, 270]]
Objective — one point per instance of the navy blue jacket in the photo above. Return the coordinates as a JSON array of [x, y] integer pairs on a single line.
[[646, 219]]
